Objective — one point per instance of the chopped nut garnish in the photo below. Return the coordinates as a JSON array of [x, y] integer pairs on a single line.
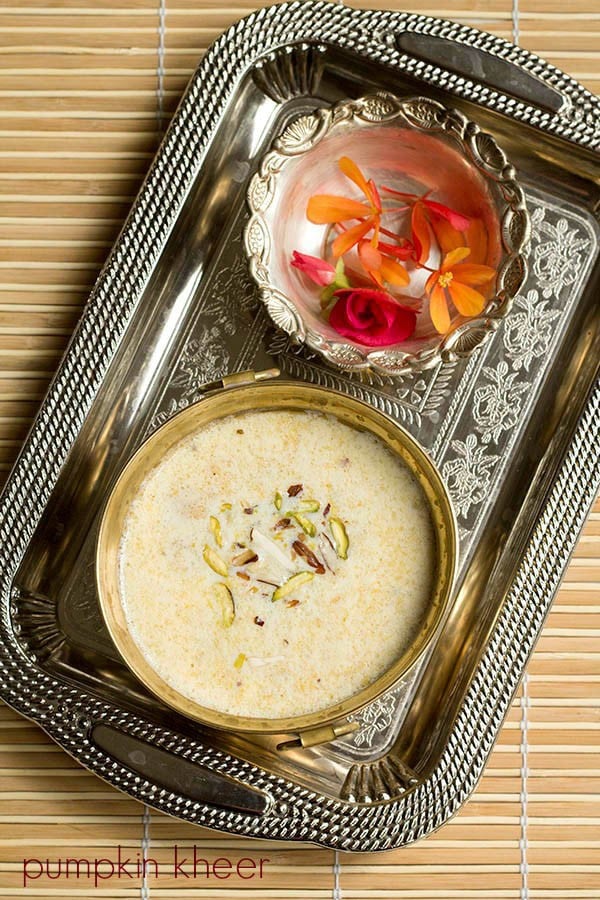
[[326, 547], [328, 539], [225, 598], [292, 603], [291, 584], [215, 527], [278, 500], [327, 509], [243, 575], [305, 524], [258, 621], [225, 506], [249, 510], [302, 550], [240, 431], [239, 660], [212, 558], [283, 523], [294, 490], [340, 537], [309, 505], [242, 559], [269, 548]]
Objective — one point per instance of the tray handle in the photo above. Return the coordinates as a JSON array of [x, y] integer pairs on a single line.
[[481, 66], [179, 775]]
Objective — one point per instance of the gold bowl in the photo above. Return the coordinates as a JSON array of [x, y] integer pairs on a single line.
[[417, 145], [332, 721]]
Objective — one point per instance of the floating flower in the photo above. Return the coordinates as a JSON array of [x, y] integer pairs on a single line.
[[454, 281], [361, 296], [317, 269], [371, 317]]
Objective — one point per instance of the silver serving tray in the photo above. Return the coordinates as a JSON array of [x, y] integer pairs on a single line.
[[514, 430]]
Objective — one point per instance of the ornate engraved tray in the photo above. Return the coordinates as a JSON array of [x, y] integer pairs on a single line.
[[514, 430]]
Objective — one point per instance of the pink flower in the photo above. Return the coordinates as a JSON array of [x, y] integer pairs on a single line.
[[318, 270], [371, 317]]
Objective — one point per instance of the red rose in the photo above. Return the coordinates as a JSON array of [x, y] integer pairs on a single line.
[[371, 317]]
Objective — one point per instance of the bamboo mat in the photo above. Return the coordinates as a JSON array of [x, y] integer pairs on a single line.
[[85, 90]]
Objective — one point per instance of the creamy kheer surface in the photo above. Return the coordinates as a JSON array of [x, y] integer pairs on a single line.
[[276, 563]]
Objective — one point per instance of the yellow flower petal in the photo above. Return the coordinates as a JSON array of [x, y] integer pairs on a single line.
[[348, 239], [447, 237], [454, 257], [326, 209], [393, 272], [470, 273], [467, 301], [438, 310], [431, 282], [351, 171]]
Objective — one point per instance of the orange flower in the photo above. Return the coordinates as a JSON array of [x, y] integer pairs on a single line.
[[380, 267], [454, 281], [427, 215], [328, 209], [475, 237]]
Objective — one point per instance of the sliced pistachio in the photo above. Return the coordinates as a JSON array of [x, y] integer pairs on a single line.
[[340, 536], [305, 524], [278, 500], [309, 505], [215, 527], [225, 506], [212, 558], [225, 598], [291, 584], [239, 660]]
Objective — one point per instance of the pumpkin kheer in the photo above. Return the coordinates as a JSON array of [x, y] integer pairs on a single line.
[[275, 563]]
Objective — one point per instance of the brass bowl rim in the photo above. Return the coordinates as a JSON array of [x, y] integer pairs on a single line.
[[295, 393]]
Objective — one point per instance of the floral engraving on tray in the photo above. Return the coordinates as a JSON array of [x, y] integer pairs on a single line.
[[232, 301], [556, 260], [414, 396], [205, 358], [495, 399], [467, 476], [375, 717], [528, 330], [497, 405]]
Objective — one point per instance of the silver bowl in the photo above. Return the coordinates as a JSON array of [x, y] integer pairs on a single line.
[[414, 145]]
